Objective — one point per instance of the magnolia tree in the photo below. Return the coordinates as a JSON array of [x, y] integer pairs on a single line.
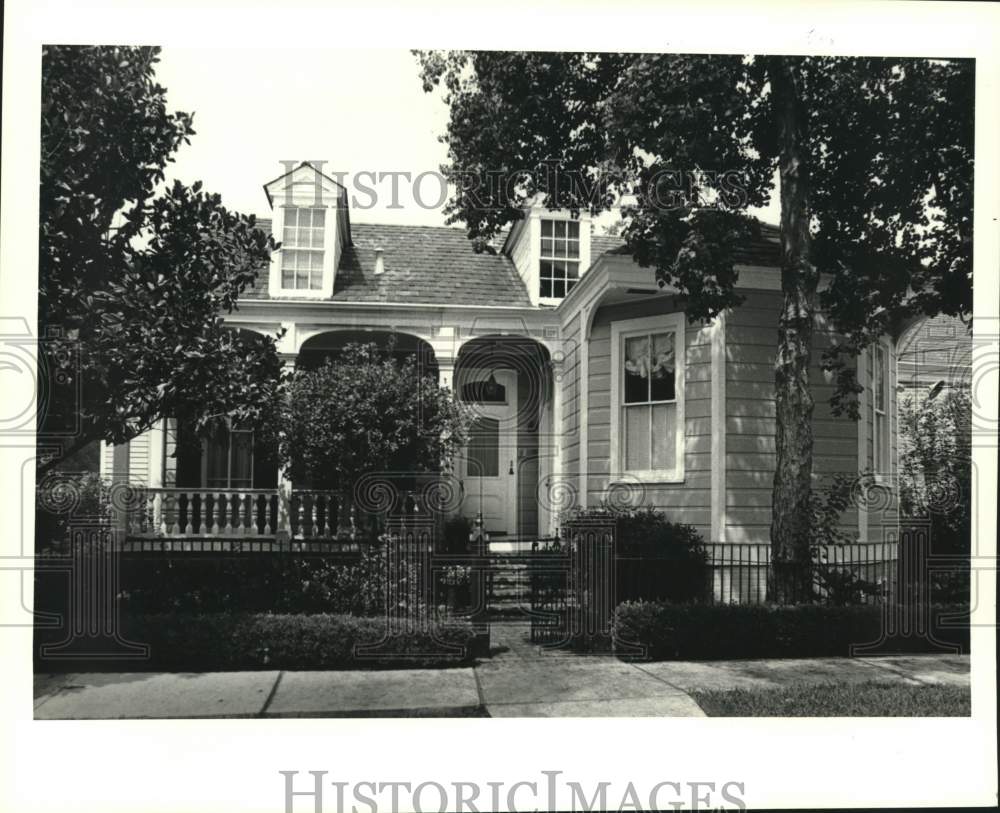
[[134, 276], [874, 164], [365, 411]]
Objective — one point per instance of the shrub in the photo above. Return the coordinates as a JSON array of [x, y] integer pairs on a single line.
[[64, 498], [656, 558], [455, 534], [662, 631], [231, 641], [287, 583]]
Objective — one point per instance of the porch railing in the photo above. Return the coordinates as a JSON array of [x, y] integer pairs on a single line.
[[250, 513]]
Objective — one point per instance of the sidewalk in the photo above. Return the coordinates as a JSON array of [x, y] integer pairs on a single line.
[[518, 681]]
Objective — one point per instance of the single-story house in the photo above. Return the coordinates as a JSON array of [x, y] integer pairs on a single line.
[[589, 382]]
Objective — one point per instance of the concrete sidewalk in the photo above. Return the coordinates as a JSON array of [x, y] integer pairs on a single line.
[[520, 680]]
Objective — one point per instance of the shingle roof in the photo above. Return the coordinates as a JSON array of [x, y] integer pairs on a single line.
[[764, 250], [437, 265], [425, 264]]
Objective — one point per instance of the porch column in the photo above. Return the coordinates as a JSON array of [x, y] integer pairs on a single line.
[[283, 523], [554, 471]]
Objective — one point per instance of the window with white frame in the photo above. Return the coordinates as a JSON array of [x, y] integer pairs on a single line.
[[302, 248], [880, 407], [559, 265], [648, 401]]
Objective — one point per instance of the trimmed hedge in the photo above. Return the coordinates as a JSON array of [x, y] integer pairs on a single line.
[[663, 631], [250, 641]]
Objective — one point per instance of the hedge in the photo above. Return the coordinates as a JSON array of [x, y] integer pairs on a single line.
[[662, 631], [250, 641]]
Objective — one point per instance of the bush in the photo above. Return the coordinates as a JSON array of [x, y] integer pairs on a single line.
[[656, 559], [455, 534], [287, 583], [662, 631], [231, 641], [65, 498]]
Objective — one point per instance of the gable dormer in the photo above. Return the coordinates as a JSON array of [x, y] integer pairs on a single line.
[[551, 251], [311, 223]]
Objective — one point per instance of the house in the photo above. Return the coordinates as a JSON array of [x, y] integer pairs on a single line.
[[589, 383]]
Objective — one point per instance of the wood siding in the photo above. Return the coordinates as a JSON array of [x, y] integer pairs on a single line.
[[690, 500]]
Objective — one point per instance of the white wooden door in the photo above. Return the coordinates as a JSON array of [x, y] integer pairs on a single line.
[[486, 464]]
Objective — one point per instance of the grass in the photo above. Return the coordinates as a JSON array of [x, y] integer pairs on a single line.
[[839, 700]]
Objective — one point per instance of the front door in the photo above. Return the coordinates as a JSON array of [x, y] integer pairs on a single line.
[[486, 464]]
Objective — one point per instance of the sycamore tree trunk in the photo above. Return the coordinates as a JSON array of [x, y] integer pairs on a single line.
[[793, 398]]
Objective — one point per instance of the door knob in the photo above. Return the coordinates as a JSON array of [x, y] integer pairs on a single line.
[[511, 469]]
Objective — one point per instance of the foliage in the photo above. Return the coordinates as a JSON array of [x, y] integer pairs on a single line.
[[664, 631], [838, 700], [366, 411], [827, 507], [455, 534], [352, 584], [63, 499], [657, 558], [134, 278], [935, 470], [237, 641], [697, 140]]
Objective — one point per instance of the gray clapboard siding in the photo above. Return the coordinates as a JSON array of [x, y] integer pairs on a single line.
[[690, 501]]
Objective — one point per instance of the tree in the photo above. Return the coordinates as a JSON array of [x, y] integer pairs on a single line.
[[365, 411], [134, 279], [874, 161]]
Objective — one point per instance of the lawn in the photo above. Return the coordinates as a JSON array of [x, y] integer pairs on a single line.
[[839, 700]]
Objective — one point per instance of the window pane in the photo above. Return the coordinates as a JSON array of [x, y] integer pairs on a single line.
[[318, 217], [484, 448], [663, 369], [241, 473], [546, 228], [291, 216], [637, 438], [317, 238], [316, 260], [316, 280], [664, 436], [545, 287], [217, 458], [573, 248], [574, 229], [636, 365], [573, 270], [287, 278], [546, 247], [560, 228], [301, 278], [879, 384], [558, 289], [288, 236]]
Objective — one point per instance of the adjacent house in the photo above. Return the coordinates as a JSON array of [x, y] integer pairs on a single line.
[[589, 382]]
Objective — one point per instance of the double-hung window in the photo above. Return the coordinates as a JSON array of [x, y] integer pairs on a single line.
[[559, 266], [302, 248], [647, 421], [880, 408]]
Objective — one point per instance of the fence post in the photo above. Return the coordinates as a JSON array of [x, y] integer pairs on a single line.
[[479, 542]]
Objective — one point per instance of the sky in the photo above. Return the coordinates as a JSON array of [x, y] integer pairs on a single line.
[[360, 111]]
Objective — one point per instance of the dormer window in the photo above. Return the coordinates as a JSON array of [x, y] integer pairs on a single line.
[[302, 248], [559, 258]]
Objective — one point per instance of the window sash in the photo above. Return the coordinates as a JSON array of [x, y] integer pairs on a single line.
[[648, 432], [559, 266], [303, 248]]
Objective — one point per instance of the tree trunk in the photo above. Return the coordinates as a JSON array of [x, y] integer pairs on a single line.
[[793, 399]]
